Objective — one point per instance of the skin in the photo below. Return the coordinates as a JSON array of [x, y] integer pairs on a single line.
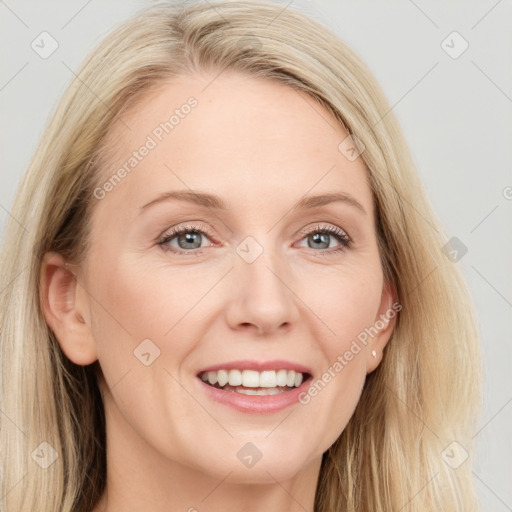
[[260, 146]]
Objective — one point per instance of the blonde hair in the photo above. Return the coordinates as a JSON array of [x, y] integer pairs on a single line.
[[424, 395]]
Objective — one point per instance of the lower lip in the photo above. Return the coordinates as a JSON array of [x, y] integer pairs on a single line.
[[256, 404]]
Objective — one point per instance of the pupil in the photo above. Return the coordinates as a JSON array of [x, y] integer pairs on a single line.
[[321, 238], [188, 239]]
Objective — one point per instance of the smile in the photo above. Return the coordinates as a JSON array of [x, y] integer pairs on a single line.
[[255, 387], [252, 382]]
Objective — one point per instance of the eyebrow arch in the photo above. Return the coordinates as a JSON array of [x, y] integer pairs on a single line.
[[212, 201], [323, 199]]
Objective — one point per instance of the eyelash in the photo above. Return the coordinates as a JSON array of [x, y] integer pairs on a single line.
[[339, 234]]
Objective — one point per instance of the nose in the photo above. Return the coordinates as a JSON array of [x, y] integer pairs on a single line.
[[261, 298]]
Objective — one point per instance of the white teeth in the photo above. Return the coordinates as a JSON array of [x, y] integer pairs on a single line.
[[222, 377], [268, 379], [253, 379], [250, 379], [273, 391], [282, 378], [235, 378], [269, 391]]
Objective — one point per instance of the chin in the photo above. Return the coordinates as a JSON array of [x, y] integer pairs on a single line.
[[275, 465]]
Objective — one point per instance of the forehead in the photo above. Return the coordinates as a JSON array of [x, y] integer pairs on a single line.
[[235, 135]]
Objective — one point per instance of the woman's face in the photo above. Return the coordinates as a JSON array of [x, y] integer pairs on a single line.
[[260, 278]]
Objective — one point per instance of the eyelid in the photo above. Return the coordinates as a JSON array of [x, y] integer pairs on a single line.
[[326, 227], [199, 227]]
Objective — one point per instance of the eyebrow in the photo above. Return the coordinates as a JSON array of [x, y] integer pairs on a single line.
[[215, 202]]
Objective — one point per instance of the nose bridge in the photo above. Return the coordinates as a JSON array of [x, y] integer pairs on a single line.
[[262, 265], [263, 297]]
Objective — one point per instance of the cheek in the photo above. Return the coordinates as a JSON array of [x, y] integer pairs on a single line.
[[137, 320], [347, 307], [128, 308], [346, 300], [139, 299], [136, 302]]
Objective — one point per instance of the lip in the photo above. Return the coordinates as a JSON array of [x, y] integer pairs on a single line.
[[256, 404]]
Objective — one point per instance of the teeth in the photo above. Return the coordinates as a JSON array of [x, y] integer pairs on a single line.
[[268, 379], [222, 377], [269, 391], [235, 378], [212, 377], [250, 379], [253, 379], [282, 378]]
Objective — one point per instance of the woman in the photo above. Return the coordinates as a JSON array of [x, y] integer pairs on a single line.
[[225, 287]]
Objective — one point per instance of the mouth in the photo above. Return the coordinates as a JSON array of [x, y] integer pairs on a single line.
[[254, 382]]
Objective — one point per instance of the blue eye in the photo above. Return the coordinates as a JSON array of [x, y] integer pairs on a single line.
[[189, 240], [322, 236]]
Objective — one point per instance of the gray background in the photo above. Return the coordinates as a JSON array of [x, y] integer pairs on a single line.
[[455, 113]]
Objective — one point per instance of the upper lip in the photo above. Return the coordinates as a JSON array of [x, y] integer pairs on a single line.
[[260, 366]]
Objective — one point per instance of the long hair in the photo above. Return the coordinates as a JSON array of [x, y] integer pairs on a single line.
[[416, 408]]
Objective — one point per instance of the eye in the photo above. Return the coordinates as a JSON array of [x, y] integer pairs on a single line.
[[187, 240], [321, 238]]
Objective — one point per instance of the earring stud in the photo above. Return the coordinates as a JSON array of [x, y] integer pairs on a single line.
[[374, 354]]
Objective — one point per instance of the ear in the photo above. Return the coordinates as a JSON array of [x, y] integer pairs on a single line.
[[66, 309], [383, 326]]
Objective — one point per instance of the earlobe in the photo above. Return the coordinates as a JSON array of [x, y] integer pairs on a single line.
[[384, 324], [65, 309]]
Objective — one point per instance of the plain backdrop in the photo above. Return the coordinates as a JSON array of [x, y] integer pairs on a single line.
[[455, 111]]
